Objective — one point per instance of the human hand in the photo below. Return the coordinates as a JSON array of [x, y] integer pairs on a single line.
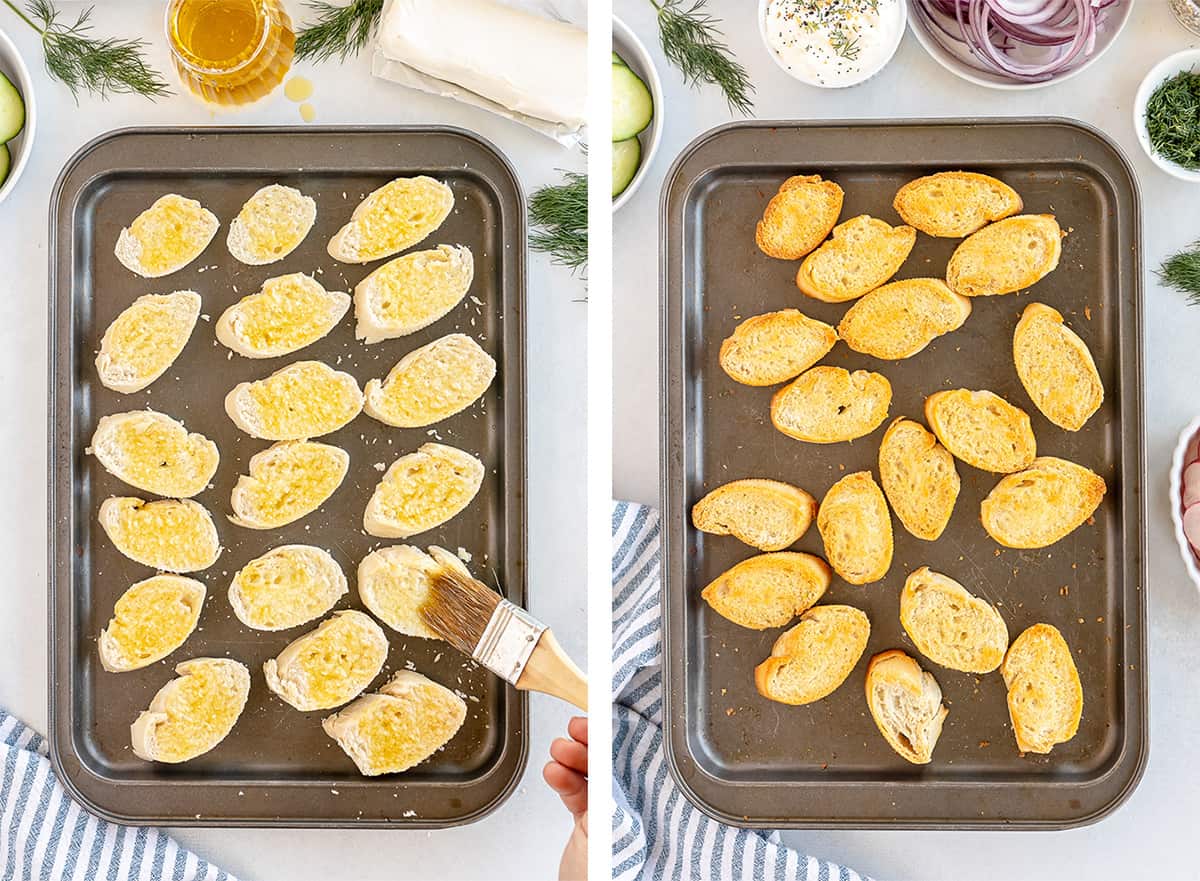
[[566, 774]]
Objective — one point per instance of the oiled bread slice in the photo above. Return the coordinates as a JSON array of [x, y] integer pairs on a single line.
[[287, 586], [151, 451], [982, 429], [174, 535], [431, 383], [949, 625], [396, 216], [1043, 504], [303, 400], [404, 723], [863, 253], [1006, 256], [192, 713], [768, 590], [774, 347], [394, 582], [798, 217], [290, 312], [809, 661], [331, 665], [918, 477], [856, 527], [411, 292], [145, 339], [422, 490], [287, 481], [953, 204], [150, 620], [1056, 368], [765, 514], [272, 223], [166, 237], [1045, 697], [900, 319], [826, 405], [906, 704]]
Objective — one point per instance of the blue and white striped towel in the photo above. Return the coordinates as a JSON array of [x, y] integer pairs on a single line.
[[657, 833], [46, 836]]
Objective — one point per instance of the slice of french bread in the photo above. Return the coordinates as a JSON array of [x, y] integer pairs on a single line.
[[766, 514], [953, 204], [396, 216], [863, 254], [303, 400], [287, 586], [331, 665], [193, 713], [768, 590], [422, 490], [827, 405], [150, 620], [809, 661], [798, 217], [166, 237], [949, 625], [906, 704], [145, 339], [774, 347], [1042, 504], [1056, 368], [153, 452], [1006, 256], [270, 225], [856, 528], [290, 312], [1045, 697], [982, 429], [900, 319], [174, 535], [918, 477], [431, 383]]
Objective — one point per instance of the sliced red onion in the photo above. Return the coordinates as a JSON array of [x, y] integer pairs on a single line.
[[1191, 527], [1192, 451], [1191, 485]]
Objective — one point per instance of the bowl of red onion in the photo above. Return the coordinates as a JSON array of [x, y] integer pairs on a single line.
[[1017, 44], [1185, 498]]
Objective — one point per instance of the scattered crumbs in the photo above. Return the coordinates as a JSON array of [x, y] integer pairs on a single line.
[[205, 317], [724, 691], [1087, 312], [409, 814], [464, 554], [476, 300], [729, 711], [1065, 590], [379, 466], [1100, 620], [997, 552], [335, 792], [1080, 620], [229, 355]]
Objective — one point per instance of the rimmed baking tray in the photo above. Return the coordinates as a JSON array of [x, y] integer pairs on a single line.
[[277, 767], [752, 762]]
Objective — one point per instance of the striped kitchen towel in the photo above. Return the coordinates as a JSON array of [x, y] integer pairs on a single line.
[[46, 836], [657, 833]]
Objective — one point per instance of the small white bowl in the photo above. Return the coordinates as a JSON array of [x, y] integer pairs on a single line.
[[864, 75], [1186, 60], [1178, 462], [630, 48], [19, 148]]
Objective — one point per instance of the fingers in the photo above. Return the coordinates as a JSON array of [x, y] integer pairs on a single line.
[[571, 786], [577, 728], [570, 753]]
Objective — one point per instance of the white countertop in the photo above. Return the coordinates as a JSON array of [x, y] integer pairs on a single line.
[[1150, 836], [524, 838]]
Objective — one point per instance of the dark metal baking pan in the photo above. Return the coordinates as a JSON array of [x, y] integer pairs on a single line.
[[277, 766], [752, 762]]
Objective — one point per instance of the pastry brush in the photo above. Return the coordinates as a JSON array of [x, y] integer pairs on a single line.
[[501, 636]]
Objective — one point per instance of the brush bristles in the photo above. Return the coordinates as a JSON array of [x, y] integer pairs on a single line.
[[458, 608]]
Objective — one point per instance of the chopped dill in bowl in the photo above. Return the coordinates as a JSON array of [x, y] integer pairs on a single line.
[[1173, 120]]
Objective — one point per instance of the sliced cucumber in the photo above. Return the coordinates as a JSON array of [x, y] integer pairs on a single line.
[[633, 106], [5, 163], [627, 158], [12, 110], [617, 59]]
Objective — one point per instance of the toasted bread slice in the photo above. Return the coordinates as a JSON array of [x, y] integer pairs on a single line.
[[193, 713], [145, 339], [1045, 697], [953, 204], [826, 405], [153, 452], [1006, 257], [906, 704], [950, 626], [272, 224], [765, 514], [394, 582], [175, 535], [409, 719], [150, 620], [396, 216], [423, 490], [289, 313], [798, 217], [287, 586], [768, 590], [863, 253], [1043, 504], [1056, 368], [775, 347], [900, 319], [303, 400], [287, 481], [411, 292], [919, 478], [982, 429], [431, 383], [166, 237], [856, 527], [809, 661], [331, 665]]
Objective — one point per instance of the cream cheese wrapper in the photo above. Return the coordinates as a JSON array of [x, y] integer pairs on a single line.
[[509, 58]]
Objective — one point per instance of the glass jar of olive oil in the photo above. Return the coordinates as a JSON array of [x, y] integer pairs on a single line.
[[230, 52]]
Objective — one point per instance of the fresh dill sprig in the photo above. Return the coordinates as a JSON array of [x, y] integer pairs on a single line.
[[844, 46], [1173, 119], [560, 214], [80, 61], [1182, 272], [692, 42], [339, 30]]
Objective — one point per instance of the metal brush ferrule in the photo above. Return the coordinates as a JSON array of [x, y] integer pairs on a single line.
[[508, 641]]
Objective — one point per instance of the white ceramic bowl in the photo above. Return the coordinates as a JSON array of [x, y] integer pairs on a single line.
[[1178, 463], [13, 67], [865, 75], [630, 48], [1186, 60]]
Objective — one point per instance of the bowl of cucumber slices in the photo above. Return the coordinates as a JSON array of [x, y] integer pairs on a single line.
[[637, 123], [16, 115]]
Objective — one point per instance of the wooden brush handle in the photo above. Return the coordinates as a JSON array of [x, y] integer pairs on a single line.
[[551, 672]]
